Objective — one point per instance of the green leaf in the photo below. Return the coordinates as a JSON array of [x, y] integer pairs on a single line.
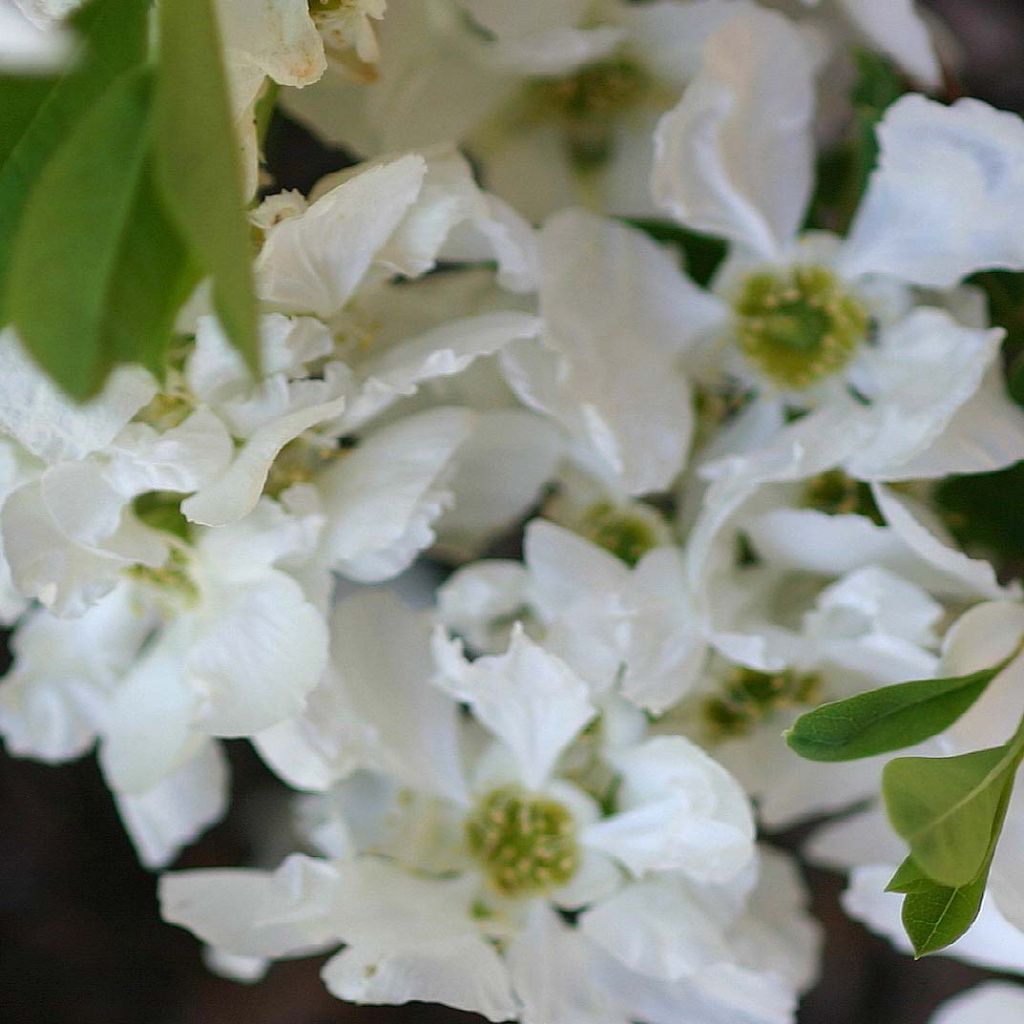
[[887, 719], [68, 257], [934, 915], [114, 40], [20, 100], [153, 279], [946, 808], [197, 161]]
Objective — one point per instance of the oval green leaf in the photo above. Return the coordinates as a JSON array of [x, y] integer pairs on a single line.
[[887, 719]]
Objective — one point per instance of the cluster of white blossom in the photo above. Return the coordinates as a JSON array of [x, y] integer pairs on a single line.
[[535, 792]]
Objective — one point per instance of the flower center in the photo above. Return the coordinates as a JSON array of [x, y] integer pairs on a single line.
[[799, 326], [627, 533], [750, 698], [525, 845], [835, 493], [299, 462], [587, 101]]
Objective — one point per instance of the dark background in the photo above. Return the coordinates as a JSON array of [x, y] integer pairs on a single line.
[[81, 941]]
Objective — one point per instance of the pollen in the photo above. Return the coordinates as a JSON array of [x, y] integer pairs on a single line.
[[798, 326], [526, 845], [750, 698], [835, 493], [627, 533], [587, 102]]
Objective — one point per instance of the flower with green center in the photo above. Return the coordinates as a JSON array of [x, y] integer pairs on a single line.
[[173, 579], [836, 493], [628, 533], [525, 844], [751, 697], [586, 103], [798, 326]]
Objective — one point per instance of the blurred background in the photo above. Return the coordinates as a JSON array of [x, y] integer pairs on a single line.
[[81, 941]]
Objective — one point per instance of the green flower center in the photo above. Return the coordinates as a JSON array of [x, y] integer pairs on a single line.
[[626, 533], [173, 578], [299, 462], [525, 845], [587, 102], [750, 698], [799, 326], [835, 493]]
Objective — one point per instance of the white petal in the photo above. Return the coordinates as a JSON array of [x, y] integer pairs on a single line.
[[993, 1002], [161, 820], [985, 434], [383, 655], [667, 648], [957, 573], [982, 638], [947, 193], [54, 699], [263, 649], [657, 929], [382, 498], [53, 426], [148, 733], [215, 369], [735, 157], [473, 597], [276, 36], [500, 475], [253, 913], [464, 972], [565, 568], [30, 48], [528, 698], [314, 262], [679, 811], [237, 490], [441, 352], [616, 312], [550, 971], [182, 459], [526, 17], [896, 28], [924, 371], [63, 573]]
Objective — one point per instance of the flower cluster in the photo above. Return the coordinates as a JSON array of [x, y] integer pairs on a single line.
[[682, 505]]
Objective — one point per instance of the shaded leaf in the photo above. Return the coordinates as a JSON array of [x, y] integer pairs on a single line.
[[69, 252], [197, 163], [114, 40], [946, 808]]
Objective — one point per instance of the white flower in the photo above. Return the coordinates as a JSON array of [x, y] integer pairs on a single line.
[[443, 886], [605, 362], [570, 87], [809, 320], [631, 629], [993, 1002], [68, 527], [867, 630], [217, 641], [893, 27], [28, 44]]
